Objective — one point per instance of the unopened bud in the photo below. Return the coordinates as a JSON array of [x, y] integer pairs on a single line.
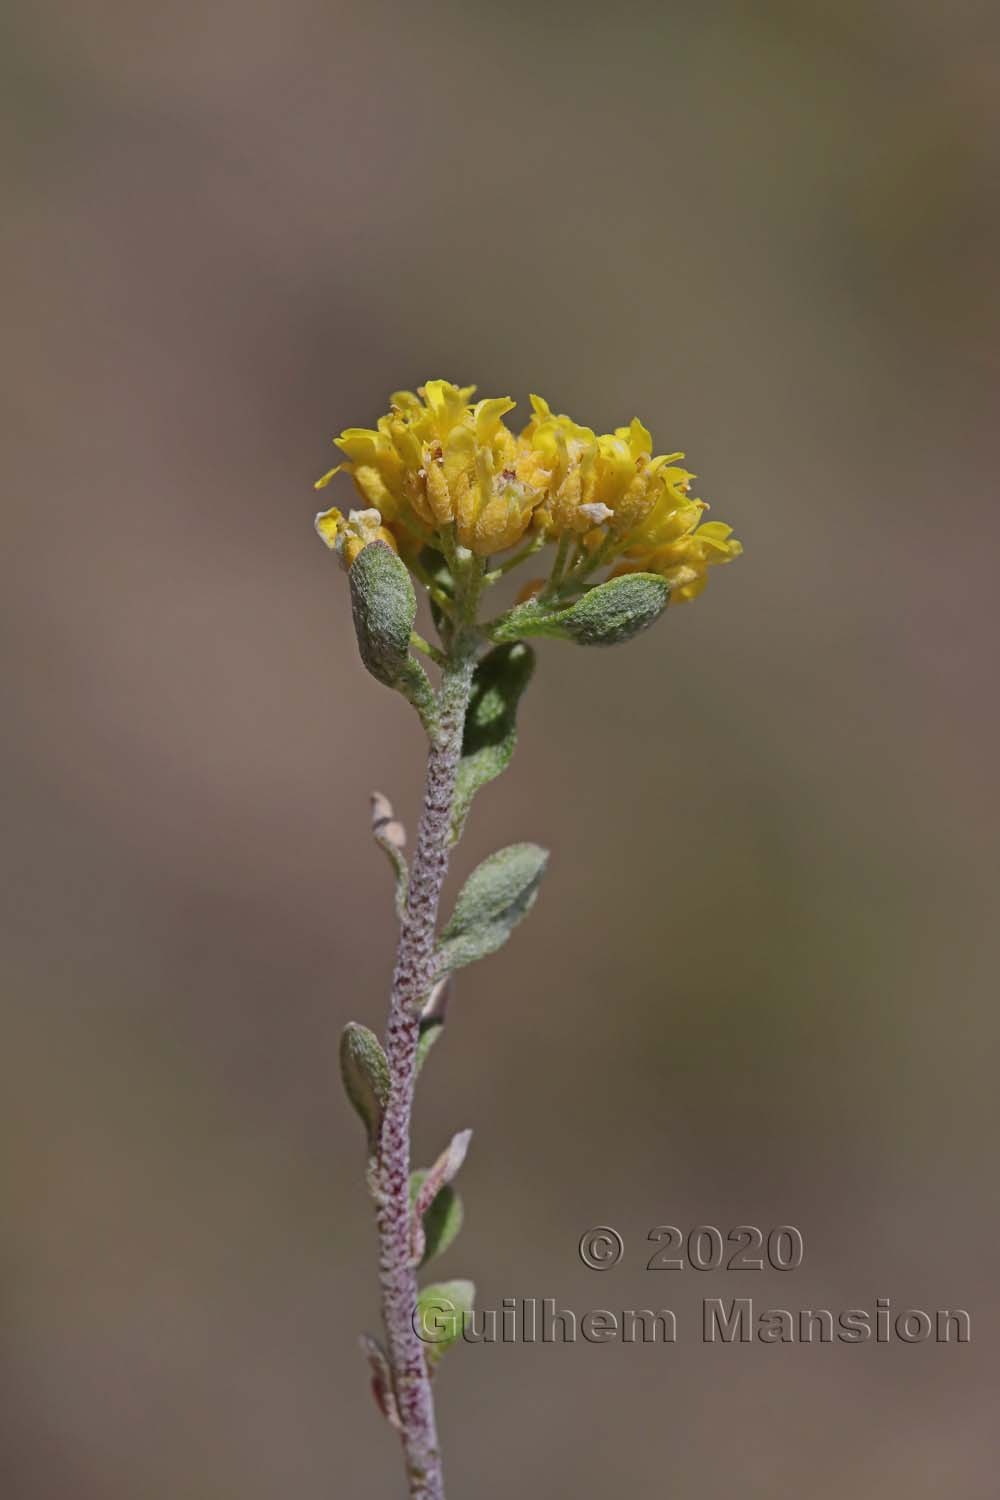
[[385, 825]]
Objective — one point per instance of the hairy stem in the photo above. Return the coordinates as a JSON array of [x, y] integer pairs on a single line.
[[411, 985]]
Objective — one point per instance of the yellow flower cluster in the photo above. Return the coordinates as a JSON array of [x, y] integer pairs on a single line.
[[439, 465]]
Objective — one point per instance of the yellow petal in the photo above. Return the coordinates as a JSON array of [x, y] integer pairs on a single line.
[[446, 403], [488, 415], [439, 494], [459, 453], [405, 445], [361, 444], [372, 487], [327, 524], [640, 438], [407, 402]]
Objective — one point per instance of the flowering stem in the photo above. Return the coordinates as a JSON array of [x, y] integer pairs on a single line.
[[584, 565], [412, 983], [562, 552], [420, 644], [537, 542], [443, 600], [446, 484]]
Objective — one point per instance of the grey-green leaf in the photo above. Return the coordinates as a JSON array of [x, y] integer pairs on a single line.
[[441, 1309], [365, 1072], [429, 1188], [441, 1221], [490, 723], [497, 894], [384, 606], [608, 614]]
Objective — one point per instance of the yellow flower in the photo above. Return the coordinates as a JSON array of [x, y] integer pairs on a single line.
[[555, 456], [441, 468], [348, 536], [437, 461], [684, 562], [611, 480]]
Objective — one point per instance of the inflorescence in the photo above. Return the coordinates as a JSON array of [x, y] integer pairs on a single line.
[[440, 470]]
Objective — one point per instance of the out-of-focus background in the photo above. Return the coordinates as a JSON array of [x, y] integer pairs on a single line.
[[759, 986]]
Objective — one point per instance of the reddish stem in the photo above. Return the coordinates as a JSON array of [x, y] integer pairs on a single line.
[[412, 982]]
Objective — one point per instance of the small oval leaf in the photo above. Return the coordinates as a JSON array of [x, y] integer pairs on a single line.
[[497, 894], [490, 723], [440, 1311], [384, 606], [440, 1222], [608, 614], [425, 1194], [365, 1072]]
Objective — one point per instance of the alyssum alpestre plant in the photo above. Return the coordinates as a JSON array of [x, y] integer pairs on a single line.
[[454, 501]]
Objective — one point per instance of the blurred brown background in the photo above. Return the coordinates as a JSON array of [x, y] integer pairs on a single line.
[[759, 986]]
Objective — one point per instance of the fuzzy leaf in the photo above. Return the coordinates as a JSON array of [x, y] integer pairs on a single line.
[[382, 1384], [440, 1222], [384, 606], [440, 1310], [365, 1072], [414, 684], [606, 615], [490, 723], [424, 1196], [444, 1170], [497, 894]]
